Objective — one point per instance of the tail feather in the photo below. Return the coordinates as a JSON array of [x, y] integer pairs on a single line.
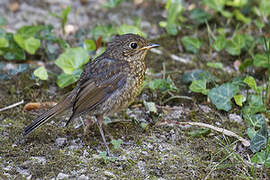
[[40, 120], [64, 104]]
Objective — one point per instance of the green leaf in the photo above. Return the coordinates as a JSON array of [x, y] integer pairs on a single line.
[[221, 96], [216, 5], [125, 28], [237, 3], [175, 9], [247, 62], [254, 120], [89, 45], [191, 44], [25, 38], [117, 143], [264, 8], [63, 16], [250, 81], [226, 14], [220, 43], [262, 157], [72, 59], [259, 140], [4, 42], [261, 60], [30, 44], [248, 41], [162, 84], [234, 45], [239, 99], [216, 65], [13, 51], [240, 17], [198, 74], [64, 80], [199, 86], [41, 73], [199, 15], [106, 32], [29, 31], [251, 132], [255, 105]]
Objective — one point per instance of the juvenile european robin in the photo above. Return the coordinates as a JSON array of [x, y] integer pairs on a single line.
[[107, 85]]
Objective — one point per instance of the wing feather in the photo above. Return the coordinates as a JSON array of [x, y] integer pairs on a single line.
[[105, 77]]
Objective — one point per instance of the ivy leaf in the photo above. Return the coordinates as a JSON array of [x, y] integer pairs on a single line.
[[13, 51], [41, 73], [89, 45], [199, 86], [199, 15], [234, 45], [221, 96], [261, 60], [239, 99], [259, 140], [26, 40], [250, 81], [64, 80], [191, 44], [106, 32], [216, 65], [262, 157], [3, 42], [198, 74], [239, 16], [72, 59], [255, 105], [219, 43], [254, 120], [125, 28]]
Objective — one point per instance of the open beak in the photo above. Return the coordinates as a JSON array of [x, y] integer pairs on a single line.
[[150, 46]]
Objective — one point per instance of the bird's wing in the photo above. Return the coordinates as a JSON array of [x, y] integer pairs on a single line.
[[97, 83]]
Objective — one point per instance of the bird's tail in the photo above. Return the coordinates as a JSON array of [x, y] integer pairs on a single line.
[[64, 104]]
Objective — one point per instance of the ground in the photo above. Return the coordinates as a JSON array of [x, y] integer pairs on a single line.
[[161, 150]]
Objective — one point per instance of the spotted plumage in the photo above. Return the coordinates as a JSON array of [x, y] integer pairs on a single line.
[[108, 84]]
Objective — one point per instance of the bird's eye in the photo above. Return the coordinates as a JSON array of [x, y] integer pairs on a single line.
[[133, 45]]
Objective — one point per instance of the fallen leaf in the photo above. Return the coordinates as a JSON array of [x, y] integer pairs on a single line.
[[13, 6], [38, 105]]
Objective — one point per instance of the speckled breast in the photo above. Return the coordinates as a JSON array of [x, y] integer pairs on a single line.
[[123, 97]]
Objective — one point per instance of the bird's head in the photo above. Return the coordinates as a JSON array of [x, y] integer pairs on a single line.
[[129, 47]]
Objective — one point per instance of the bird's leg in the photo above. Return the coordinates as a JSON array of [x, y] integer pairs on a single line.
[[87, 124], [99, 123]]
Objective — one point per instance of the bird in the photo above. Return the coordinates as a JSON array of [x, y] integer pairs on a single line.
[[108, 84]]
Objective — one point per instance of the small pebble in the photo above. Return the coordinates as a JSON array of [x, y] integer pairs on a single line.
[[60, 141], [109, 174], [62, 176], [83, 177]]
